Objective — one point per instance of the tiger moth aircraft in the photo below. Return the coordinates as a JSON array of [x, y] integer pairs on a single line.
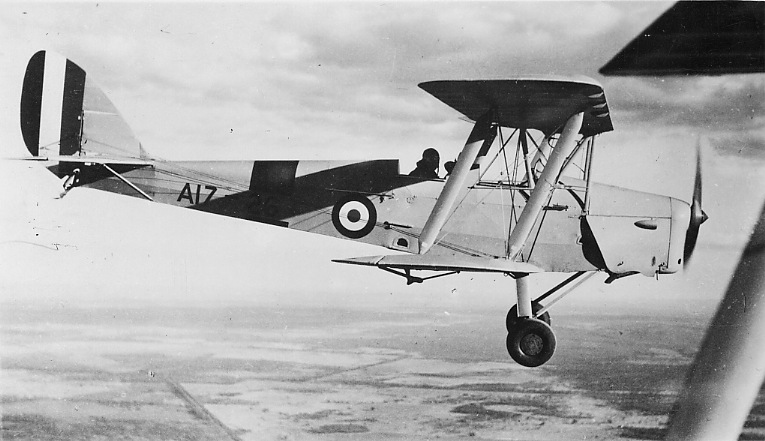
[[542, 214]]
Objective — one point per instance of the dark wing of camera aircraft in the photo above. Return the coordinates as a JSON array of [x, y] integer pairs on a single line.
[[542, 214], [714, 38]]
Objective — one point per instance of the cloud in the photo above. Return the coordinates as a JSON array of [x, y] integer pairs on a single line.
[[747, 145], [730, 110], [721, 102], [347, 74]]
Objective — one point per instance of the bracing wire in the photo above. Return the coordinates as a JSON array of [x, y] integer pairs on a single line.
[[502, 148], [501, 193]]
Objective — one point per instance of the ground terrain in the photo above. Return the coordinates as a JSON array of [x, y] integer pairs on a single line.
[[328, 373]]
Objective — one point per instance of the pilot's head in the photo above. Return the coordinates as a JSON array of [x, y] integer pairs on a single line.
[[449, 166], [430, 158]]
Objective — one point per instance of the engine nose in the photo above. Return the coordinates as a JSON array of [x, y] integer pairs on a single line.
[[680, 222], [686, 222]]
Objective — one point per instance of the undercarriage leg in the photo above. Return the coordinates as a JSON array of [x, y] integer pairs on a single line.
[[524, 296], [530, 341]]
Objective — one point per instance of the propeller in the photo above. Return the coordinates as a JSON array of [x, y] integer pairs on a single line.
[[698, 216]]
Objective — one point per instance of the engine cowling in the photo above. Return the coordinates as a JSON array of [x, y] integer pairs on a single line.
[[637, 232]]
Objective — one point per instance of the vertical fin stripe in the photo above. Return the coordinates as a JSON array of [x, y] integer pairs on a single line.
[[31, 102], [50, 113], [71, 109]]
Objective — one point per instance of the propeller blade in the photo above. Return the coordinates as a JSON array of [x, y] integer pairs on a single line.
[[698, 216], [690, 243], [697, 181]]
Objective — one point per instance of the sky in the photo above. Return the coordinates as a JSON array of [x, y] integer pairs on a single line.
[[338, 81]]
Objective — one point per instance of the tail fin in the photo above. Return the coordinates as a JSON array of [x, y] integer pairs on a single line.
[[63, 113]]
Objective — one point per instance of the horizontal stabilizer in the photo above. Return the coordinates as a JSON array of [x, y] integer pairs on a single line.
[[444, 263], [85, 160]]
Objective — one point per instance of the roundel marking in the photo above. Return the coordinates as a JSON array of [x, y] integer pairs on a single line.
[[354, 216]]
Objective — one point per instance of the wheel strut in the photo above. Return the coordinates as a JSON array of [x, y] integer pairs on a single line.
[[530, 339], [524, 297]]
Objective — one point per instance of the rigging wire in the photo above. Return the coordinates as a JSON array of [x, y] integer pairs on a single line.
[[501, 193], [513, 211], [459, 204], [571, 160], [498, 153]]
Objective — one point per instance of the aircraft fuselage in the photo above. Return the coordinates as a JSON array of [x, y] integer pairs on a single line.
[[623, 231]]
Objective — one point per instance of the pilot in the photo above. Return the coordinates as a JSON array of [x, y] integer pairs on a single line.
[[449, 166], [427, 167]]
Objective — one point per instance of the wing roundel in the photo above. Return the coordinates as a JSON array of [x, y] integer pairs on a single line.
[[354, 216]]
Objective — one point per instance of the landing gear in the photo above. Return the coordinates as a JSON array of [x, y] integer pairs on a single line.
[[530, 339], [531, 342], [512, 315]]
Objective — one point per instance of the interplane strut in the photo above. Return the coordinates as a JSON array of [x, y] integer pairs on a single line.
[[544, 186], [483, 132]]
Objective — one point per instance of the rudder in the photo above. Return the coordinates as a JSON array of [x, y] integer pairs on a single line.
[[63, 113]]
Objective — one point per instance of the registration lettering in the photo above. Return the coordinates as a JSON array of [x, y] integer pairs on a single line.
[[187, 193]]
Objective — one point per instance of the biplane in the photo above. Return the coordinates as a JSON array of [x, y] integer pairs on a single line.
[[541, 212]]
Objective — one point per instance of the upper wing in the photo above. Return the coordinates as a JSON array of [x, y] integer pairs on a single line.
[[539, 103]]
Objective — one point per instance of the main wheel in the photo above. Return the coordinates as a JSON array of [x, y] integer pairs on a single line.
[[531, 342], [512, 315]]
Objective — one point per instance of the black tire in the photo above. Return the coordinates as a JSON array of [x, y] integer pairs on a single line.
[[531, 343], [512, 315]]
